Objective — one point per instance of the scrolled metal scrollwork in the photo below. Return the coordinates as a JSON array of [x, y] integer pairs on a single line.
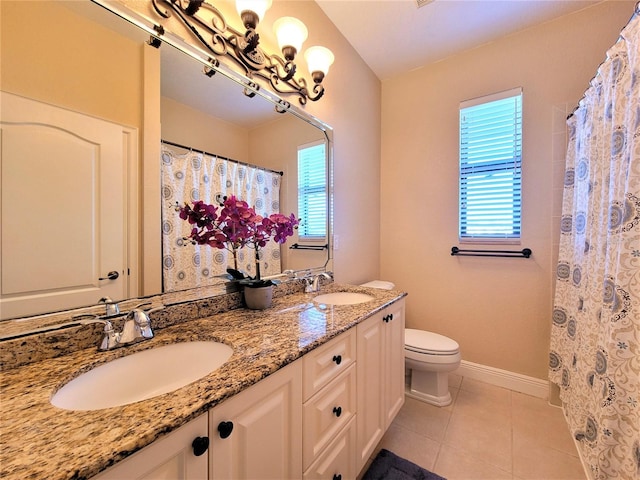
[[206, 24]]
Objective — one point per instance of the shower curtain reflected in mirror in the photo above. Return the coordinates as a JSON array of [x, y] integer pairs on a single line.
[[188, 176], [595, 337]]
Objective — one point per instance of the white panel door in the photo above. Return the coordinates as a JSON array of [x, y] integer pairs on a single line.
[[63, 207]]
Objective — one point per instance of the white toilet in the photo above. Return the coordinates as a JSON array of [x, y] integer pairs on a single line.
[[429, 357]]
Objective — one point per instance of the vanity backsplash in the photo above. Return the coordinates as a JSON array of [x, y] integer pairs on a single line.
[[18, 348]]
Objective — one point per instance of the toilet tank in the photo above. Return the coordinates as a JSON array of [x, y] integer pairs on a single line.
[[381, 284]]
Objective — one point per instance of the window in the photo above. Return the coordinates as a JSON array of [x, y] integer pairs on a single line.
[[490, 167], [312, 191]]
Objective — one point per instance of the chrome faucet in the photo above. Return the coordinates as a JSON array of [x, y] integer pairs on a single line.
[[111, 307], [313, 282], [137, 326]]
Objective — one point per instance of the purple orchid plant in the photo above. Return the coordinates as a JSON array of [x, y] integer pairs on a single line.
[[234, 226]]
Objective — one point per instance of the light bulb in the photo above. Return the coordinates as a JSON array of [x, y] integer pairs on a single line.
[[257, 7], [319, 59], [291, 33]]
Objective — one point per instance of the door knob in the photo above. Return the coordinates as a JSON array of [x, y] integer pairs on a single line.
[[112, 275]]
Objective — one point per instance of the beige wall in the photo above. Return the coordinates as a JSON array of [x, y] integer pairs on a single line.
[[188, 126], [498, 309], [61, 58]]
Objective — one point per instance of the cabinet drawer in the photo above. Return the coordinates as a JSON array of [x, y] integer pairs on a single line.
[[326, 413], [339, 459], [322, 365]]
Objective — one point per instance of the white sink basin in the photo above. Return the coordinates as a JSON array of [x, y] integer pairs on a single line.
[[142, 375], [343, 298]]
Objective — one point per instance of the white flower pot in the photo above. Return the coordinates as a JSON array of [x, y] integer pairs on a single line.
[[258, 298]]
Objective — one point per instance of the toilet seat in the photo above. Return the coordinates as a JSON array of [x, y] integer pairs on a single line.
[[429, 343]]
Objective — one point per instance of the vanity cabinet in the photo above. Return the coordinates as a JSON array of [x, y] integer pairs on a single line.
[[256, 433], [320, 417], [380, 377], [172, 457]]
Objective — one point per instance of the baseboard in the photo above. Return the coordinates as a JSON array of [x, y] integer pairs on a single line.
[[505, 379]]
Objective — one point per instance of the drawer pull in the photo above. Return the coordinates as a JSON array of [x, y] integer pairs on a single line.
[[200, 445], [337, 476], [337, 359], [225, 429], [390, 316], [337, 411]]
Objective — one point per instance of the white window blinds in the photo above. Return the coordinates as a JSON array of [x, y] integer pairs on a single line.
[[312, 191], [490, 167]]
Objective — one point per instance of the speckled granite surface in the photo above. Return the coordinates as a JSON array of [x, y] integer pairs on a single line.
[[39, 441]]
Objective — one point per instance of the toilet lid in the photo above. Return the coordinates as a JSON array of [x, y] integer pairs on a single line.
[[429, 342]]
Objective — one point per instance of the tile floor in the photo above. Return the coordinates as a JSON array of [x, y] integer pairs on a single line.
[[487, 432]]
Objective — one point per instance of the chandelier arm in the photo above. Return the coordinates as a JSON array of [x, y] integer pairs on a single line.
[[156, 7], [293, 88], [194, 31], [284, 69], [318, 89]]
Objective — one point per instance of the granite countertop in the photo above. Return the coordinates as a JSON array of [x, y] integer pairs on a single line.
[[40, 441]]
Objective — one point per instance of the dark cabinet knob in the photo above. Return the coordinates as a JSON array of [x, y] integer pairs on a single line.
[[337, 476], [385, 319], [390, 316], [337, 411], [200, 445], [225, 429], [337, 359]]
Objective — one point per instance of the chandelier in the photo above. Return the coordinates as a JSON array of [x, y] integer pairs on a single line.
[[207, 26]]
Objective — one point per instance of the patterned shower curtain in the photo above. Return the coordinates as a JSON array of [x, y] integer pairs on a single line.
[[595, 337], [191, 176]]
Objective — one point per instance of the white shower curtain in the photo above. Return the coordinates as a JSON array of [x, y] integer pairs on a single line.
[[191, 176], [595, 337]]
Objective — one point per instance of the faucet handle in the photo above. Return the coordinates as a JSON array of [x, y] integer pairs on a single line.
[[130, 330], [143, 321], [111, 339]]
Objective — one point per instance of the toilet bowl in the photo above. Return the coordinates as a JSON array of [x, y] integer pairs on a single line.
[[429, 357]]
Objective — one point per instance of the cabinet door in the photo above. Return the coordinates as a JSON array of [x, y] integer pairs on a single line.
[[394, 363], [370, 376], [169, 458], [262, 426]]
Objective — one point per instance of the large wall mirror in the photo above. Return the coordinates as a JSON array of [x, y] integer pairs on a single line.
[[83, 58]]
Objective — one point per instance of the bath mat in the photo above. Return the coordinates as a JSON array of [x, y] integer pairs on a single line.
[[388, 466]]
